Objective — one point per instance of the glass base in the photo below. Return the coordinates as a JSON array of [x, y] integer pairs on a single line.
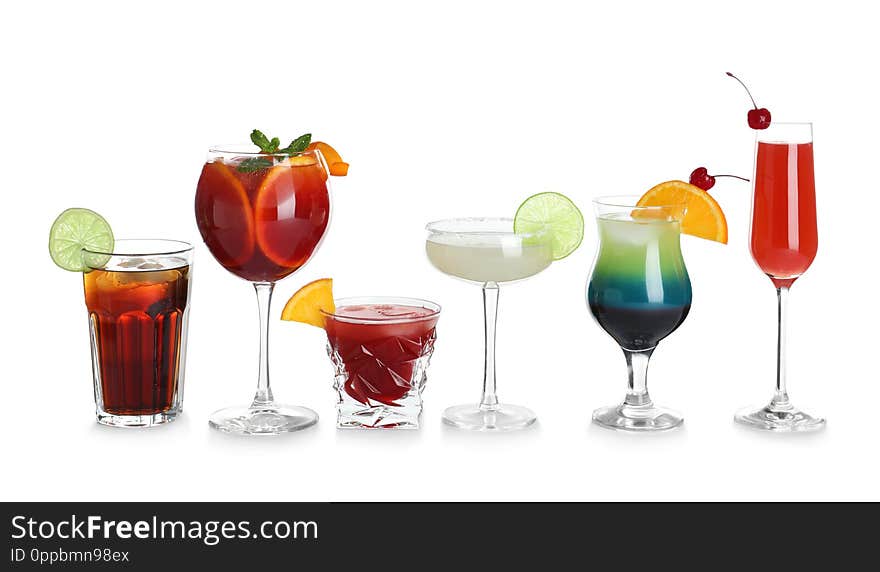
[[377, 417], [489, 418], [148, 420], [271, 419], [637, 418], [782, 419]]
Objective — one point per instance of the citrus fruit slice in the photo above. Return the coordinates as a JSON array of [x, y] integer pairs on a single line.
[[74, 230], [291, 210], [703, 217], [224, 215], [558, 215], [338, 167], [308, 302], [301, 161]]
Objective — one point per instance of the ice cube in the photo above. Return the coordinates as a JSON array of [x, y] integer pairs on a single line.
[[131, 262], [395, 312]]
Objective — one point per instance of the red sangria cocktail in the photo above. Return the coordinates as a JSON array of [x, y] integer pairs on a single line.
[[262, 213], [262, 225]]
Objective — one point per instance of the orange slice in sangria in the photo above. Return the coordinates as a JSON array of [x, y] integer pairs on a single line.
[[291, 211], [223, 208]]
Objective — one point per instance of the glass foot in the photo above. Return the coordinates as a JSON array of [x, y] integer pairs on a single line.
[[268, 420], [495, 418], [783, 419], [637, 418], [147, 420]]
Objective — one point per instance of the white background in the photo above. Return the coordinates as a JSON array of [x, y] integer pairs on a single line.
[[443, 109]]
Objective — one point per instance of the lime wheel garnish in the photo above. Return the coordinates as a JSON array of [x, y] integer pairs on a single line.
[[554, 214], [75, 230]]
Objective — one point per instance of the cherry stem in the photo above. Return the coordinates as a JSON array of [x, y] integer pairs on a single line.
[[747, 91], [734, 176]]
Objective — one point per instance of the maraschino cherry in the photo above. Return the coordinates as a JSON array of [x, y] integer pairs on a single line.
[[701, 178], [758, 118]]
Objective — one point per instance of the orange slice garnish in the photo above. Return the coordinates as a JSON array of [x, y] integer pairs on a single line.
[[338, 167], [308, 303], [703, 217], [224, 215]]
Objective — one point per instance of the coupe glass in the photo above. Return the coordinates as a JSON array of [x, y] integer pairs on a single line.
[[486, 251], [639, 292], [783, 243], [262, 225]]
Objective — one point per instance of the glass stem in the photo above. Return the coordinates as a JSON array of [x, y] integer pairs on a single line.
[[490, 308], [637, 385], [780, 398], [263, 396]]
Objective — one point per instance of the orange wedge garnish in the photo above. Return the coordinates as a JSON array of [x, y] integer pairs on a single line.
[[338, 167], [703, 217], [308, 302]]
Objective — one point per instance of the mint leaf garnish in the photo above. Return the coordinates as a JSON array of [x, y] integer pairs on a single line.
[[298, 145], [271, 147], [254, 164], [260, 140]]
